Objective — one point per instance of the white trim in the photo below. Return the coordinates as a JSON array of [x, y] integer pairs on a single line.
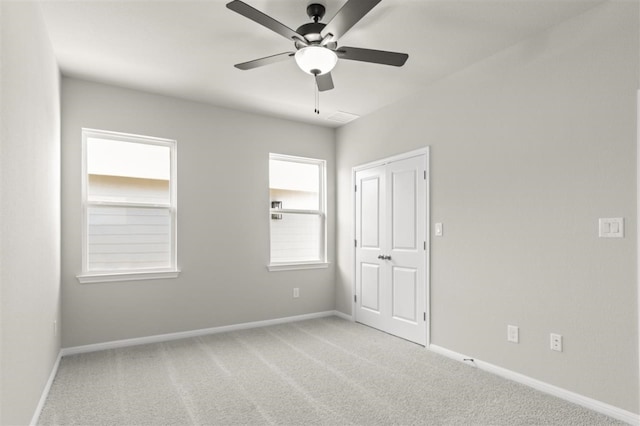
[[127, 137], [638, 221], [192, 333], [321, 212], [172, 144], [344, 316], [293, 211], [89, 278], [274, 267], [590, 403], [45, 391], [294, 158], [427, 237], [393, 158], [123, 204]]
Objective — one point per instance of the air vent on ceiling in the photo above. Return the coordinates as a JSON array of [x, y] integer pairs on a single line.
[[342, 117]]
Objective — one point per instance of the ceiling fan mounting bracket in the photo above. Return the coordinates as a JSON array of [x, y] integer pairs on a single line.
[[315, 11]]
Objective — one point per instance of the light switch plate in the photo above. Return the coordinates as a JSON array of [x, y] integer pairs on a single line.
[[438, 229], [612, 227]]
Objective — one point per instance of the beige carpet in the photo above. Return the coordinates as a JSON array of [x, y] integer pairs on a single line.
[[326, 371]]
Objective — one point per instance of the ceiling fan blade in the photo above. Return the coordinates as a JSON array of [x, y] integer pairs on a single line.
[[262, 19], [265, 61], [374, 56], [347, 17], [324, 82]]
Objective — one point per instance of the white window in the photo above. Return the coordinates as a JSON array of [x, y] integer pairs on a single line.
[[129, 203], [298, 212]]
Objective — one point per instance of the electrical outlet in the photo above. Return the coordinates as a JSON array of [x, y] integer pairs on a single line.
[[513, 333], [556, 342], [296, 293]]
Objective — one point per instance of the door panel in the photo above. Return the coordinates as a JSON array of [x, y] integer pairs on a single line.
[[370, 223], [391, 254], [370, 287], [404, 285], [404, 209], [370, 238]]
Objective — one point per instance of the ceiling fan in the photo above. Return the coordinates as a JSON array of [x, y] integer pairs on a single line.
[[316, 44]]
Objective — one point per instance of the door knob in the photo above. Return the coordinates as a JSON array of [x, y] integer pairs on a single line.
[[380, 257], [387, 257], [383, 257]]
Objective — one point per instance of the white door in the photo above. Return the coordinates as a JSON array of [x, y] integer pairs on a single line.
[[391, 256]]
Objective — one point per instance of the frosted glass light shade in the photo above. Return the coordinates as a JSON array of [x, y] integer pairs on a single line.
[[316, 59]]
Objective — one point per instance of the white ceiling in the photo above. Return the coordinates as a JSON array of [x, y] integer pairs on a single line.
[[187, 49]]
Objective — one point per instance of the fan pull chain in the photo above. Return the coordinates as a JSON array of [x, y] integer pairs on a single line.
[[317, 99]]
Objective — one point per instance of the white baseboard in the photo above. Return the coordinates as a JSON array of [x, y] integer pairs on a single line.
[[592, 404], [45, 391], [343, 315], [192, 333]]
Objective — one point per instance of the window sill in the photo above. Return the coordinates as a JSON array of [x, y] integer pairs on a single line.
[[126, 276], [274, 267]]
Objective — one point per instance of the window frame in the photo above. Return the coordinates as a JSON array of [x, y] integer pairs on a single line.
[[321, 212], [89, 276]]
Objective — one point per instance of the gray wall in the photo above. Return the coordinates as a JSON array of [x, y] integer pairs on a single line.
[[223, 220], [30, 213], [528, 149]]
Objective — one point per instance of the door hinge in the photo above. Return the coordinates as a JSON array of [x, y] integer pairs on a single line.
[[425, 175], [424, 245], [424, 316], [355, 298], [355, 243], [355, 188]]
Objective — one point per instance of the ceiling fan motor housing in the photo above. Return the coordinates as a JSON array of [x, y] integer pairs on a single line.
[[311, 32]]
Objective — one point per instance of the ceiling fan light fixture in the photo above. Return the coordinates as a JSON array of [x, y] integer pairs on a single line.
[[316, 60]]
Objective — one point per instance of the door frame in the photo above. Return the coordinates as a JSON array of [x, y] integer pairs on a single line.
[[638, 217], [427, 237]]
